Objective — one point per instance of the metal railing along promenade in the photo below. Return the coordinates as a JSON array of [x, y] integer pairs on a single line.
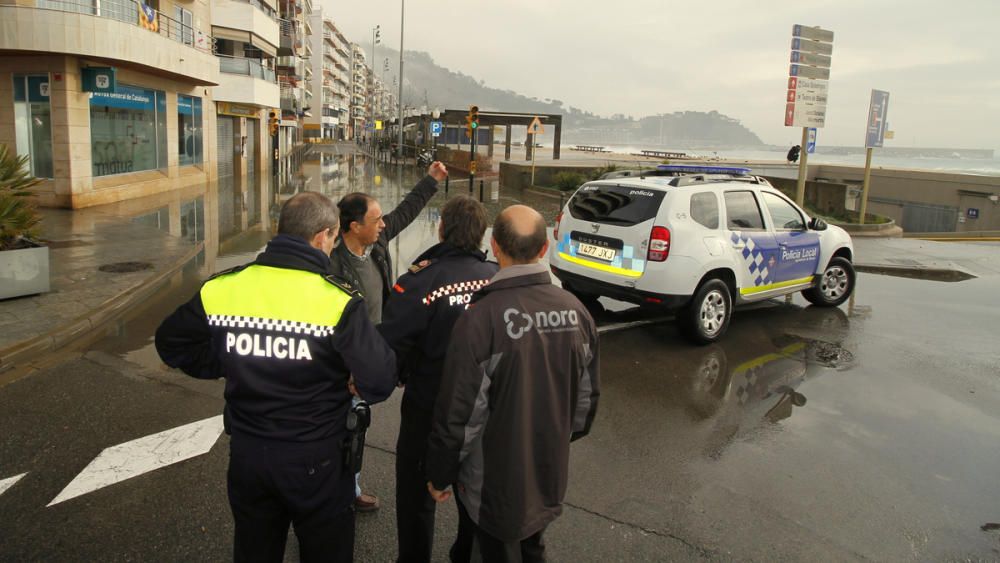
[[127, 11]]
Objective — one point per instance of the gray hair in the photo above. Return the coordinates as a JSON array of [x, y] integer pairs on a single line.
[[306, 214]]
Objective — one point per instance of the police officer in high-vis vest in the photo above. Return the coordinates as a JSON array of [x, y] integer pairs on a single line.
[[292, 343]]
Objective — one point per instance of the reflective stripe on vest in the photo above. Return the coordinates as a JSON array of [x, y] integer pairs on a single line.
[[278, 299]]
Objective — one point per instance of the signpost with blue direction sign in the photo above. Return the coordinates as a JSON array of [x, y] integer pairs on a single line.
[[436, 128], [805, 101], [878, 111], [808, 77]]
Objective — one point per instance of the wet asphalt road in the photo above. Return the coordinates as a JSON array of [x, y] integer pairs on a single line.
[[865, 432]]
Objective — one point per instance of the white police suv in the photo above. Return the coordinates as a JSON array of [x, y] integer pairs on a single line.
[[697, 239]]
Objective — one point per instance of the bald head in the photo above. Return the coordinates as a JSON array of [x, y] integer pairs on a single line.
[[519, 232]]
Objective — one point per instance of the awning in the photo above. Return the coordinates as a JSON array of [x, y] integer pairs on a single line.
[[256, 41], [230, 34]]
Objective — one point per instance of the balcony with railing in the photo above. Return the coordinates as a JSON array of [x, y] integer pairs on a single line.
[[246, 81], [290, 37], [252, 16], [246, 67], [115, 30]]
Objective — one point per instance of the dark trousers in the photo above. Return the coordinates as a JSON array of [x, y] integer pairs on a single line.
[[414, 505], [272, 485], [495, 550]]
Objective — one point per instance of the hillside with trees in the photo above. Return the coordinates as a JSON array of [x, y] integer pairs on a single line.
[[429, 85]]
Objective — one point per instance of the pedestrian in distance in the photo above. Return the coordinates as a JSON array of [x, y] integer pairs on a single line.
[[793, 154], [362, 258], [286, 336], [424, 305], [520, 383]]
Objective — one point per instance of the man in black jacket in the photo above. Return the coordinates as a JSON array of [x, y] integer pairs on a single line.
[[362, 258], [423, 308], [520, 382], [287, 337]]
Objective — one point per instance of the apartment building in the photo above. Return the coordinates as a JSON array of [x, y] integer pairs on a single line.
[[110, 99], [293, 72], [246, 34], [360, 74], [331, 64]]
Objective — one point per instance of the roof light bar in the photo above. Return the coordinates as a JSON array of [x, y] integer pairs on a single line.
[[686, 169]]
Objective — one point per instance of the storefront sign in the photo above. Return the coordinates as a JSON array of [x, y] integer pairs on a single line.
[[236, 110], [125, 97], [98, 79]]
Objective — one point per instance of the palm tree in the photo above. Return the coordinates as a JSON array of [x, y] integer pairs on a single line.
[[18, 216]]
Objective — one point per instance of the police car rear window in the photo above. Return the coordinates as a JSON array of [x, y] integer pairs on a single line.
[[615, 205]]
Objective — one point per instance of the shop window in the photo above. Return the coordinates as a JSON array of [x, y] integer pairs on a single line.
[[33, 122], [128, 130], [189, 130]]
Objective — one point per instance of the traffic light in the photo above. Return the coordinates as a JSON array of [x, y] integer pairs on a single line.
[[273, 122], [472, 120]]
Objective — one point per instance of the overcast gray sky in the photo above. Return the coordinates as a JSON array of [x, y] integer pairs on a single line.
[[940, 61]]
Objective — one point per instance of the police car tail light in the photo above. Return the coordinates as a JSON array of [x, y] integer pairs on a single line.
[[555, 232], [659, 244]]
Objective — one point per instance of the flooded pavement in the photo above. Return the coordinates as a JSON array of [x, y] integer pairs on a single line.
[[869, 431], [809, 433]]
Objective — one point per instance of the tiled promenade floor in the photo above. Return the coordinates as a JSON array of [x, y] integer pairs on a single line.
[[82, 296]]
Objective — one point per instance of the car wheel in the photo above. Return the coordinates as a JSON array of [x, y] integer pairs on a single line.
[[706, 317], [834, 286]]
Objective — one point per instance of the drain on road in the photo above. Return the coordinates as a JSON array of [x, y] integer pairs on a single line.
[[125, 267]]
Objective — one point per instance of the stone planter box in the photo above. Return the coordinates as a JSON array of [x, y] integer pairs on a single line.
[[24, 272]]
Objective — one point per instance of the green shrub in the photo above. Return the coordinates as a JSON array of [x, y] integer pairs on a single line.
[[598, 172], [566, 181], [18, 216]]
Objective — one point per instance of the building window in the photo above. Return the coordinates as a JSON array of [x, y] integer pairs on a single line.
[[189, 130], [128, 130], [33, 122], [187, 21]]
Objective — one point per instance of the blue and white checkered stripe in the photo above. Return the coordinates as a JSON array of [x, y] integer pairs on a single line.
[[753, 259], [625, 258], [291, 327]]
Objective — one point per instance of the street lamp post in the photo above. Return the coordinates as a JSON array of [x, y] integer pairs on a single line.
[[436, 114], [402, 19], [376, 39]]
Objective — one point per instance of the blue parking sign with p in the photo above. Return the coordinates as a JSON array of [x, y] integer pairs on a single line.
[[811, 141], [436, 128]]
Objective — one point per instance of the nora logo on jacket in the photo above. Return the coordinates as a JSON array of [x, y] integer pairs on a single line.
[[519, 323]]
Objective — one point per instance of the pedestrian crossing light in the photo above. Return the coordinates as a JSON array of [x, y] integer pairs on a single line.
[[472, 120], [273, 122]]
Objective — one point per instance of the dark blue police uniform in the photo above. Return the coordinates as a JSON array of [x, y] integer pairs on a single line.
[[286, 337], [417, 322]]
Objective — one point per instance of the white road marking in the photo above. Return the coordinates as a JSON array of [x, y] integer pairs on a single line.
[[9, 482], [131, 459]]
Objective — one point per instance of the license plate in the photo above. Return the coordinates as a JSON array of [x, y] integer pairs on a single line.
[[594, 251]]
